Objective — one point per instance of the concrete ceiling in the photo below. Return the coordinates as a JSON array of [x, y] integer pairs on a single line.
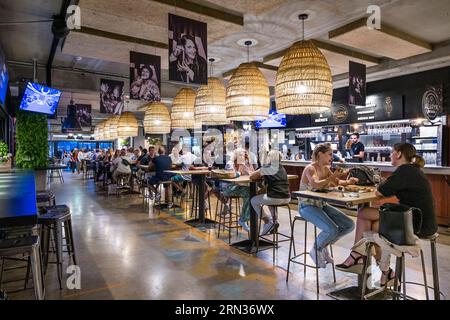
[[272, 23]]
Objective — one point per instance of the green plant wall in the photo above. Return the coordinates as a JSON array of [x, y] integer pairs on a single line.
[[31, 140]]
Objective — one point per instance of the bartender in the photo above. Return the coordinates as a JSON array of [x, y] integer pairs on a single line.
[[357, 147]]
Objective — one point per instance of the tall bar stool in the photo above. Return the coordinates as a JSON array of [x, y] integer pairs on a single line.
[[400, 271], [168, 201], [229, 220], [27, 246], [14, 233], [123, 183], [53, 221], [434, 267], [294, 258], [45, 196], [195, 201], [275, 233]]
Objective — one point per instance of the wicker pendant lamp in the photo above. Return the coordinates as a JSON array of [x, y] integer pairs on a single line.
[[157, 118], [127, 126], [210, 102], [106, 131], [113, 126], [247, 96], [183, 109], [304, 84]]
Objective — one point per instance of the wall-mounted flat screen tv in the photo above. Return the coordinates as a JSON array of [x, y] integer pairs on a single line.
[[3, 78], [275, 120], [38, 98]]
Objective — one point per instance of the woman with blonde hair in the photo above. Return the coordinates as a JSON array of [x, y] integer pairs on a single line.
[[412, 188], [333, 223]]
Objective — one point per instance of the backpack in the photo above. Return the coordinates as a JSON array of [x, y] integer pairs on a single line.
[[367, 176]]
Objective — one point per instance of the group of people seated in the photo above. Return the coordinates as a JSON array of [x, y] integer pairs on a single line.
[[408, 183]]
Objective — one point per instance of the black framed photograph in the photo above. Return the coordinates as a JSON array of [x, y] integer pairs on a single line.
[[84, 114], [357, 84], [187, 50], [111, 96], [145, 77]]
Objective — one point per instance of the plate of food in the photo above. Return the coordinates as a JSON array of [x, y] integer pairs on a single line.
[[358, 189]]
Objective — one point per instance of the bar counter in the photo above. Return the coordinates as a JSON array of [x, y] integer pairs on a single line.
[[439, 178]]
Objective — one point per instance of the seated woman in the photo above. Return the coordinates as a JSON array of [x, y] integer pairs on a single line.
[[276, 180], [240, 162], [333, 223], [410, 185]]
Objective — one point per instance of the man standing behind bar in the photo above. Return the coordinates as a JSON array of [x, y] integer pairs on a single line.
[[357, 147]]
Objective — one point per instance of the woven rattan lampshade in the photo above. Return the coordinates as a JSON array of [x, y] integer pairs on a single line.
[[127, 125], [183, 109], [113, 126], [157, 118], [304, 84], [247, 97], [106, 127], [210, 103]]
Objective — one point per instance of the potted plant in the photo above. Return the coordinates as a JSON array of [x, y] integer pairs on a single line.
[[32, 145], [5, 156]]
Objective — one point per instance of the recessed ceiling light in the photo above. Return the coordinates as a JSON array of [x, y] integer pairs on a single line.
[[242, 42], [216, 59], [78, 58]]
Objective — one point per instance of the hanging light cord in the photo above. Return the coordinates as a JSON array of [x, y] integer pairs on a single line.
[[211, 60], [248, 43]]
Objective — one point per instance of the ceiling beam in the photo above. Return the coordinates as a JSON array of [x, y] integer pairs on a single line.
[[121, 37], [257, 63], [332, 48], [204, 10], [384, 28]]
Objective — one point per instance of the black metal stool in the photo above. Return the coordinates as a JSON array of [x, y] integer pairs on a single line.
[[123, 183], [28, 246], [195, 199], [304, 253], [275, 233], [53, 221], [168, 201], [229, 220], [45, 196], [400, 272]]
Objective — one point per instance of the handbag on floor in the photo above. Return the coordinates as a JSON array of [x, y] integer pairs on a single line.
[[399, 224]]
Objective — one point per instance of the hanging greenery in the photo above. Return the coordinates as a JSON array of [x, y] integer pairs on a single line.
[[32, 138], [3, 151]]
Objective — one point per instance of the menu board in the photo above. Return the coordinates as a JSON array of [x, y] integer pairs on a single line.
[[380, 107]]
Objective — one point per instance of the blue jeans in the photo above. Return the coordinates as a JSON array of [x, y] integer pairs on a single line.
[[333, 223]]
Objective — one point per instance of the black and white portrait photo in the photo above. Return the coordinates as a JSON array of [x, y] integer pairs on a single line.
[[111, 96], [84, 114], [357, 84], [145, 77], [187, 50]]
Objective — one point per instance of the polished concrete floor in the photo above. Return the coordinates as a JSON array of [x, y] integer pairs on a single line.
[[126, 251]]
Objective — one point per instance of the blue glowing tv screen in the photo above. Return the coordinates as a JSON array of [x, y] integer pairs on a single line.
[[3, 78], [275, 120], [38, 98]]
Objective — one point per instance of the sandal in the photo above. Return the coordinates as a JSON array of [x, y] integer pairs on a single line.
[[387, 278], [356, 266]]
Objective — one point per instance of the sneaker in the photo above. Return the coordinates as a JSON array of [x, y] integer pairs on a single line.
[[327, 256], [318, 260], [268, 227], [244, 225]]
